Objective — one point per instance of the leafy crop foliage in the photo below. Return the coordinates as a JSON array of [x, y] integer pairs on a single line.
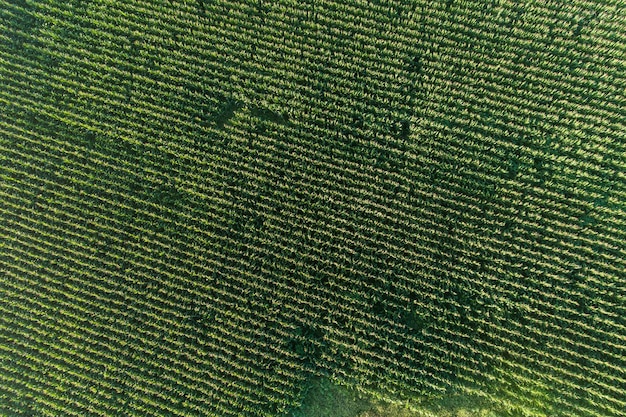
[[204, 205]]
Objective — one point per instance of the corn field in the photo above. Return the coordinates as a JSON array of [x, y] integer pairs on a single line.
[[204, 204]]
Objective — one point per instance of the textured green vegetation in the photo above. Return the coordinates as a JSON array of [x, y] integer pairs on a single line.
[[206, 204], [326, 399]]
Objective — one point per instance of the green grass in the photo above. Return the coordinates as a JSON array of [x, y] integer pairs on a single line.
[[206, 205], [324, 398]]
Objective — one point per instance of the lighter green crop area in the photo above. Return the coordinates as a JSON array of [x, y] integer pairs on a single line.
[[328, 398]]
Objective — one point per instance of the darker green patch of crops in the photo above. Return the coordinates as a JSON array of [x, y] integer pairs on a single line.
[[225, 111], [307, 342], [269, 115], [20, 23]]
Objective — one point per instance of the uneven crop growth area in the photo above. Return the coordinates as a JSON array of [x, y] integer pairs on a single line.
[[206, 205]]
